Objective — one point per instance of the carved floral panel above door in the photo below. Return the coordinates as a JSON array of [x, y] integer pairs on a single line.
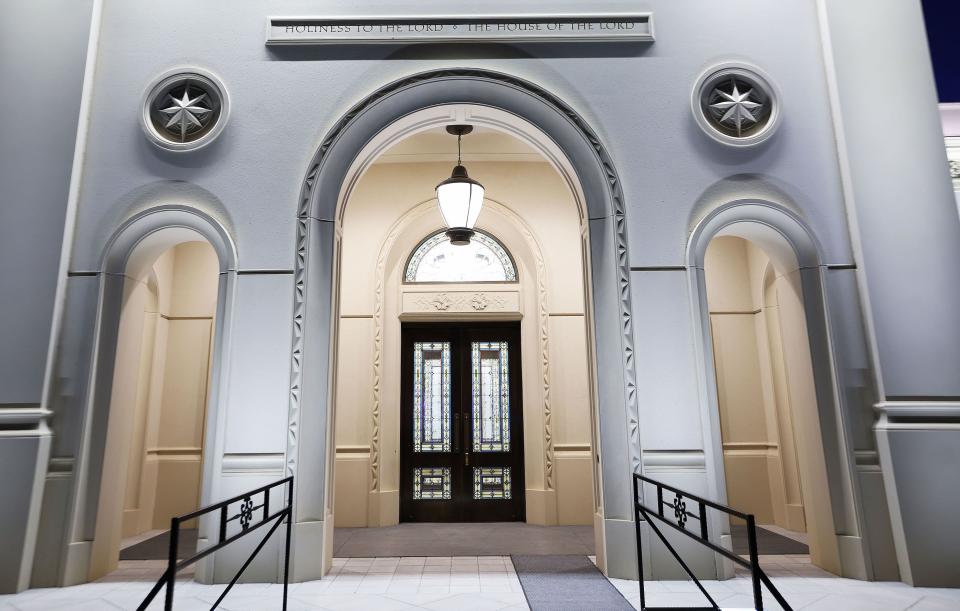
[[459, 302]]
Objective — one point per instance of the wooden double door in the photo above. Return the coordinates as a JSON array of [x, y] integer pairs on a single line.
[[461, 427]]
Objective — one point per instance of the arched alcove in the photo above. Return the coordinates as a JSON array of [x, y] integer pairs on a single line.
[[786, 252], [128, 265]]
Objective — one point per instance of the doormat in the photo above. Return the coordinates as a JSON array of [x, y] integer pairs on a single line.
[[566, 583], [158, 547], [768, 542]]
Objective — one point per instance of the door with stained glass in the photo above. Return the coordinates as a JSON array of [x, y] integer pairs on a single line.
[[461, 423]]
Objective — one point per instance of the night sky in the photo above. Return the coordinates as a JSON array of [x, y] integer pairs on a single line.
[[943, 31]]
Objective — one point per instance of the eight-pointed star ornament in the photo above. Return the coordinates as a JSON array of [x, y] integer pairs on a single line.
[[737, 107], [187, 112]]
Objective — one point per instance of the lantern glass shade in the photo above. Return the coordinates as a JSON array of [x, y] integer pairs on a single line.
[[461, 199]]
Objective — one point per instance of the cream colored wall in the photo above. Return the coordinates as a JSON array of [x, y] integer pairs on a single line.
[[165, 451], [778, 381], [126, 416], [754, 393], [532, 212]]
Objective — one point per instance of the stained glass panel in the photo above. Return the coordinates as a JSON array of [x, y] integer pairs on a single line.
[[484, 259], [431, 397], [491, 483], [491, 397], [431, 483]]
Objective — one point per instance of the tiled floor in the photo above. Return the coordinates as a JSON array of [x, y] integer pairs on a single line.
[[803, 585], [471, 583], [462, 583]]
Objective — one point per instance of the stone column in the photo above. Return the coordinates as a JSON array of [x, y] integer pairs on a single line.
[[906, 235]]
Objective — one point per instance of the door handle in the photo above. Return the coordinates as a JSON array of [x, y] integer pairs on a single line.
[[466, 458], [456, 432]]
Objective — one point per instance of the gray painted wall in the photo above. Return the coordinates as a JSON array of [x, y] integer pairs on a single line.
[[43, 45], [904, 203], [285, 99], [43, 48]]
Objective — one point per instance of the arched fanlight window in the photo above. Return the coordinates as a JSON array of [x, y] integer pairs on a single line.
[[483, 259]]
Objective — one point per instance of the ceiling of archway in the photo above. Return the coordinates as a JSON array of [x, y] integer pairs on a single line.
[[484, 144]]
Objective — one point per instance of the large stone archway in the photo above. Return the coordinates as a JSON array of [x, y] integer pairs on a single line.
[[571, 144]]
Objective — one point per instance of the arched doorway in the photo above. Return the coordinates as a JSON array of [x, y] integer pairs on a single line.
[[396, 274], [166, 287], [158, 402], [525, 111], [769, 375]]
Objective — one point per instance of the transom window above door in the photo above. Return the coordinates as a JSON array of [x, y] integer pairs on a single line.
[[484, 259]]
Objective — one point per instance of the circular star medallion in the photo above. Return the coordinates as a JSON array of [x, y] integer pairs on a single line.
[[736, 105], [184, 110]]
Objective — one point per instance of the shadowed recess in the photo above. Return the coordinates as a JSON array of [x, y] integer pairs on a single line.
[[158, 547]]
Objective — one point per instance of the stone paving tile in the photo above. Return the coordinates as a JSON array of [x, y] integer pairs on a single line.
[[475, 584]]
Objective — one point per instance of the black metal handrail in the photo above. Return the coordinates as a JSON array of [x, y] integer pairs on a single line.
[[245, 517], [681, 515]]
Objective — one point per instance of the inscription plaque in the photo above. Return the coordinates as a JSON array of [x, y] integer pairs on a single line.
[[635, 27]]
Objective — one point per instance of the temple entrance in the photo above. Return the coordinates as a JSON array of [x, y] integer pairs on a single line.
[[461, 428], [526, 268]]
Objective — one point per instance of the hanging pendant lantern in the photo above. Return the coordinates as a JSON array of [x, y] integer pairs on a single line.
[[460, 197]]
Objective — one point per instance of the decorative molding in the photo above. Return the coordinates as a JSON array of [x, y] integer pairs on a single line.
[[353, 449], [543, 333], [60, 465], [252, 463], [917, 415], [264, 272], [570, 448], [750, 445], [736, 312], [614, 192], [23, 416], [186, 452], [753, 101], [460, 302], [24, 422], [296, 358], [201, 117], [378, 326], [750, 448], [667, 460], [658, 268]]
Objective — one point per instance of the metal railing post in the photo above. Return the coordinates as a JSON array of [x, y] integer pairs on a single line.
[[754, 562], [172, 562], [678, 522], [223, 524], [246, 511], [636, 522], [703, 521], [286, 556]]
